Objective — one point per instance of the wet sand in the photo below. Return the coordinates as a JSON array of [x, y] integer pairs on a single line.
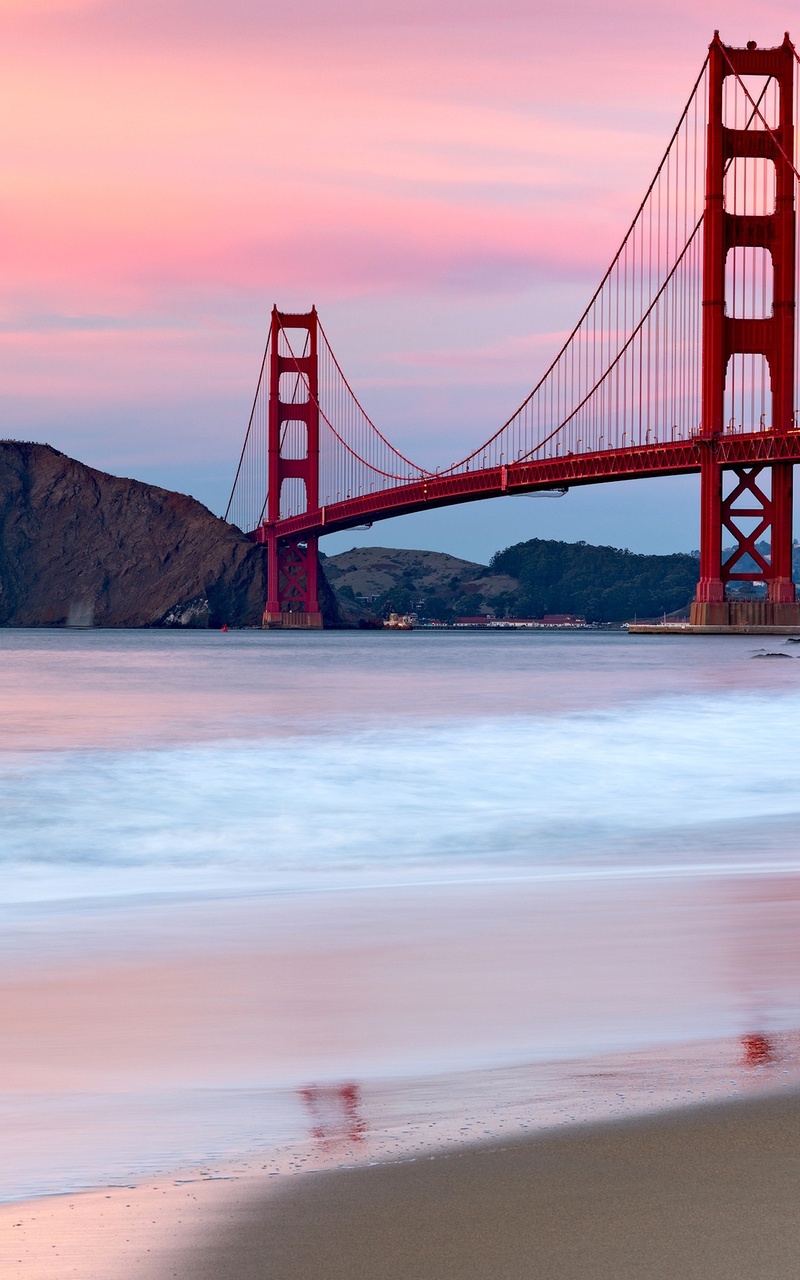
[[709, 1193], [150, 1041], [241, 1040]]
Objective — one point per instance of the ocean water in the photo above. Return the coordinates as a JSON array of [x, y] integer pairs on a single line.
[[261, 862], [148, 763]]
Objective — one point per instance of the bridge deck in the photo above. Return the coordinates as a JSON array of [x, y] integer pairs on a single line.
[[679, 457]]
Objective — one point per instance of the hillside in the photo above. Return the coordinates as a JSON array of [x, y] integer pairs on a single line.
[[376, 580], [79, 545], [530, 579], [604, 584]]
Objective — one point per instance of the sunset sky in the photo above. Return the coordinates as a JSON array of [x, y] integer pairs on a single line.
[[446, 181]]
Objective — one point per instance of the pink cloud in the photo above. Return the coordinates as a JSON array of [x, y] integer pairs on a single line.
[[172, 167], [600, 25], [193, 175]]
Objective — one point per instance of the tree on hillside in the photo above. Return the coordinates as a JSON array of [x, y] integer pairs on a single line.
[[604, 584]]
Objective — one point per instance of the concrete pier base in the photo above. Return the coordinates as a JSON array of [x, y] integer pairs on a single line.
[[292, 621], [745, 613]]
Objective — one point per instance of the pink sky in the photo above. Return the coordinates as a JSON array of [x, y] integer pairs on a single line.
[[446, 181]]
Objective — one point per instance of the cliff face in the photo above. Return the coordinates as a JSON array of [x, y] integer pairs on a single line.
[[80, 546]]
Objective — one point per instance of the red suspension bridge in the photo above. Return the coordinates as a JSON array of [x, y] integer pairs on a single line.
[[683, 361]]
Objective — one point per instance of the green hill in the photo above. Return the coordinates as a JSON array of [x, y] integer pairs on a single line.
[[528, 580], [604, 584]]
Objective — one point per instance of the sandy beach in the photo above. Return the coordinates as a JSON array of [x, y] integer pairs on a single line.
[[709, 1192], [449, 1017], [142, 1043], [116, 1072]]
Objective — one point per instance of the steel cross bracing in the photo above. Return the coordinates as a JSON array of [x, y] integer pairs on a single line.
[[684, 360]]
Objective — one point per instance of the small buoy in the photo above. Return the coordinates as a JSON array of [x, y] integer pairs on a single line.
[[224, 627]]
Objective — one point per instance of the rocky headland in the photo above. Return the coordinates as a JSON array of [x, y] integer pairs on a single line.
[[78, 546]]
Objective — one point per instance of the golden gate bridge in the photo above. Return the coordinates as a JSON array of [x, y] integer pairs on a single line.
[[684, 360]]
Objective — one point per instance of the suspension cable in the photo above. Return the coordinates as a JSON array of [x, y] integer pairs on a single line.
[[621, 351], [359, 405], [599, 288], [249, 423], [389, 475]]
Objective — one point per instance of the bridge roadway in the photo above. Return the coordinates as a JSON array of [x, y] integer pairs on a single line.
[[679, 457]]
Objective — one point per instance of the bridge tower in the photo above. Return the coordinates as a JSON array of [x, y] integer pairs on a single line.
[[292, 566], [762, 493]]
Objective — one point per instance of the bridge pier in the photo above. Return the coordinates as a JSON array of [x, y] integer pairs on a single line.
[[292, 574], [292, 620], [762, 497], [293, 456], [745, 613], [758, 505], [292, 581]]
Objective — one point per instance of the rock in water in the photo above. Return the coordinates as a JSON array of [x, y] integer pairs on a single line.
[[82, 548]]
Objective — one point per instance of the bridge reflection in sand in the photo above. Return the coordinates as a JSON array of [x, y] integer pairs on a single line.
[[335, 1116]]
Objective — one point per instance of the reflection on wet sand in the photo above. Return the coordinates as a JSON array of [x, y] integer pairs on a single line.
[[366, 1022], [759, 1050], [336, 1121]]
